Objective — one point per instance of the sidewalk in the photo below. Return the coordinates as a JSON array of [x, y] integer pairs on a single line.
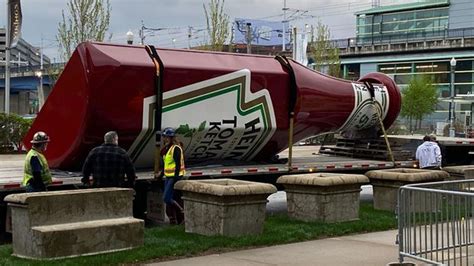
[[366, 249]]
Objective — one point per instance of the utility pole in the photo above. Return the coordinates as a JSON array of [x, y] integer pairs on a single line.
[[41, 98], [142, 34], [190, 33], [295, 44], [283, 32], [249, 38]]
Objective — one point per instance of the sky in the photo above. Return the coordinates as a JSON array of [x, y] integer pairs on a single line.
[[41, 18]]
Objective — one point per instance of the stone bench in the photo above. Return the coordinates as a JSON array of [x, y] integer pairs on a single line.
[[224, 206], [323, 197], [387, 182], [71, 223]]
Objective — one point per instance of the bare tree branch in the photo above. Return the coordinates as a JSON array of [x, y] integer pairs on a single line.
[[87, 20], [325, 55], [217, 24]]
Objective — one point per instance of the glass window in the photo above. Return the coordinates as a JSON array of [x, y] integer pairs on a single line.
[[403, 68], [444, 91], [424, 67], [388, 68], [440, 66], [402, 79], [353, 71], [377, 18], [464, 65], [390, 18], [442, 77], [440, 12], [462, 89], [406, 16], [424, 24], [424, 14], [368, 28], [376, 28], [388, 27], [463, 77]]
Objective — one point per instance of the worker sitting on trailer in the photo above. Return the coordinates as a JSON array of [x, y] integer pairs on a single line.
[[428, 154], [174, 170], [37, 175]]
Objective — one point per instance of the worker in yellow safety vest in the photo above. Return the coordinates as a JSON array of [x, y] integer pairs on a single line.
[[37, 175], [173, 171]]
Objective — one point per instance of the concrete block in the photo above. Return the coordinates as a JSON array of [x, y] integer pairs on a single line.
[[386, 183], [323, 196], [224, 206], [71, 223], [155, 207]]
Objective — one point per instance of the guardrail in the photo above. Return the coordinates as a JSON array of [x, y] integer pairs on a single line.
[[21, 71], [435, 222], [404, 37]]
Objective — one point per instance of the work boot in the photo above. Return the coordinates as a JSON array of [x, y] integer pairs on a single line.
[[171, 213]]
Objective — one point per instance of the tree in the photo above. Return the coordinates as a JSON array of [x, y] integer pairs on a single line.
[[324, 53], [13, 129], [419, 99], [88, 20], [217, 24]]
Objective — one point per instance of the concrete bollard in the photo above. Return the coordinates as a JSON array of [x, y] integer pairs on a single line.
[[323, 197], [224, 206]]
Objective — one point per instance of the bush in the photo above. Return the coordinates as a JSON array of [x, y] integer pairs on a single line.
[[458, 127], [13, 129], [398, 128]]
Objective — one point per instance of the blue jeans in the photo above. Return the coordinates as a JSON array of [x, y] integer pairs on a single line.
[[30, 188], [169, 193]]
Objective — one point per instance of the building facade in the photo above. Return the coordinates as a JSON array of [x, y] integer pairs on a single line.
[[408, 40], [25, 64]]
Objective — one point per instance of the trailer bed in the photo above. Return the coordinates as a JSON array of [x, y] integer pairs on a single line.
[[305, 159]]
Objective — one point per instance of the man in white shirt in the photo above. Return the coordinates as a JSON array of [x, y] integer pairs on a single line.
[[428, 154]]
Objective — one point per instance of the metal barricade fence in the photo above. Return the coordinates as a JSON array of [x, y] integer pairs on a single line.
[[435, 222]]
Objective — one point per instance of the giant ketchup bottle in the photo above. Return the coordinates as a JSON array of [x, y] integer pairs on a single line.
[[224, 107]]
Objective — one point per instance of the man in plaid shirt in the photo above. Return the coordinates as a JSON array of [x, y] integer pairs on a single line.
[[108, 164]]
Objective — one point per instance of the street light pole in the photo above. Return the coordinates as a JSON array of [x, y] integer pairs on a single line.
[[451, 105], [249, 37], [283, 32], [39, 74]]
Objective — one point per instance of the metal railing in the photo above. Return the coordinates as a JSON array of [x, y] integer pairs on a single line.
[[404, 37], [411, 41], [20, 71], [436, 223]]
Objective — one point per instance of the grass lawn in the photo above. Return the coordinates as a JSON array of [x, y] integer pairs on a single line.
[[168, 242]]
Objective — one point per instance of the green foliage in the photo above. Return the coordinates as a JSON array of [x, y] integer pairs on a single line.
[[88, 20], [217, 24], [172, 242], [324, 53], [419, 98], [13, 129], [188, 132], [54, 71], [458, 127]]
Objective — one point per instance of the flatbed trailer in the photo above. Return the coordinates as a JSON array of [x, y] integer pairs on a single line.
[[305, 160]]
